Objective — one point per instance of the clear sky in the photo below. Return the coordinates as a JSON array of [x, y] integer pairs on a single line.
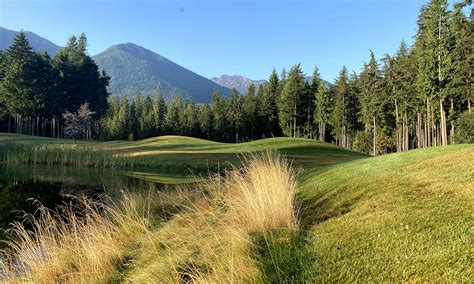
[[212, 37]]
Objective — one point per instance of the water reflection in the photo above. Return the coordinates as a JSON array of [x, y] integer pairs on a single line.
[[19, 186]]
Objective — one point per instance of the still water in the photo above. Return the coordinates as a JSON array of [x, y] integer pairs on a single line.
[[20, 186]]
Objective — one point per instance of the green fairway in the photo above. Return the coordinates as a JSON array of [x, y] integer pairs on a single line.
[[186, 152], [398, 217]]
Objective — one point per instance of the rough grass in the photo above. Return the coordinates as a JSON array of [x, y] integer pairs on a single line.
[[200, 234], [398, 217]]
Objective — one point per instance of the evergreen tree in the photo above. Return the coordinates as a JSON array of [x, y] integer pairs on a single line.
[[370, 99], [174, 116], [219, 110], [234, 115], [290, 101], [434, 63], [159, 110], [81, 79], [249, 109], [460, 87], [322, 110], [123, 117], [339, 113], [205, 121], [269, 105]]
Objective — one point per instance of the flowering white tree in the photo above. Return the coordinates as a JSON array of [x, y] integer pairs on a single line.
[[78, 125]]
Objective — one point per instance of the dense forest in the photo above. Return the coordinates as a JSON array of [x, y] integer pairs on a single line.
[[419, 97]]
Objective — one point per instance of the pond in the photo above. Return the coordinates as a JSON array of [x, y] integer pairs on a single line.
[[20, 186]]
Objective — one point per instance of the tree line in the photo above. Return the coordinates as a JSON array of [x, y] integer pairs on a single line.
[[419, 97], [35, 89]]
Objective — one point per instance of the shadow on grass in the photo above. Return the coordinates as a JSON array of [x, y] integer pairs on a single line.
[[284, 256]]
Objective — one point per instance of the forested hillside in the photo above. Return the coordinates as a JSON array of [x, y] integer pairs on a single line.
[[135, 70], [38, 43]]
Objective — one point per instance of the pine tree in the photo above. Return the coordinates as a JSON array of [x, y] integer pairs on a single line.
[[322, 110], [219, 110], [174, 121], [28, 88], [339, 113], [249, 108], [269, 105], [191, 119], [460, 86], [234, 115], [290, 101], [434, 63], [205, 121], [370, 99], [81, 79], [123, 117], [159, 110]]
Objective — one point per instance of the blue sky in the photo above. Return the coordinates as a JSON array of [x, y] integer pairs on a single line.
[[244, 37]]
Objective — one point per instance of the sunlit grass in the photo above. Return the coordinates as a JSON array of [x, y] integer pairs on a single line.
[[399, 217], [177, 153], [205, 233]]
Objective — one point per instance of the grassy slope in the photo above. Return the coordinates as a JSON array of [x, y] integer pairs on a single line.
[[192, 151], [406, 216]]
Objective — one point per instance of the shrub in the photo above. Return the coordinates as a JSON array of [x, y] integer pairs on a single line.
[[465, 128], [362, 142]]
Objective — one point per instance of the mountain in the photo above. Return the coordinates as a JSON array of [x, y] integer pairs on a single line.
[[240, 83], [38, 43], [309, 79], [136, 70]]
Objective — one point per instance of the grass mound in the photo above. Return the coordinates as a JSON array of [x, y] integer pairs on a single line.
[[398, 217], [167, 154]]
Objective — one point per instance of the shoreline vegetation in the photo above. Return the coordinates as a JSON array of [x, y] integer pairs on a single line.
[[177, 155], [220, 230]]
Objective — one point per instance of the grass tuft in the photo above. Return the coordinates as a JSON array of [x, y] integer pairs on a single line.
[[204, 233]]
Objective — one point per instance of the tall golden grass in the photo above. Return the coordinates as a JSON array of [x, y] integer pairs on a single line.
[[199, 234]]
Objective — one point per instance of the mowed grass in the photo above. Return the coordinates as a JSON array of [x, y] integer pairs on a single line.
[[187, 152], [398, 217]]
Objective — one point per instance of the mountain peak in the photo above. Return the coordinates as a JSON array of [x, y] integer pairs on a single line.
[[37, 42], [240, 83], [135, 70]]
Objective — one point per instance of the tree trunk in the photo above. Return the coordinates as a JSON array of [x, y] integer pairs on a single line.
[[397, 130], [375, 139], [428, 124], [469, 105], [407, 139], [451, 114]]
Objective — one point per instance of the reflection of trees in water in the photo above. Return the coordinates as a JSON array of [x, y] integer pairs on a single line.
[[19, 186], [15, 196]]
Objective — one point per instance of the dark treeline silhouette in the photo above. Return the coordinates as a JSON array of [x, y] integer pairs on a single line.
[[419, 97], [35, 89]]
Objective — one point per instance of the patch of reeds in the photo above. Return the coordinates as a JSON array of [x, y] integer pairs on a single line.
[[82, 156]]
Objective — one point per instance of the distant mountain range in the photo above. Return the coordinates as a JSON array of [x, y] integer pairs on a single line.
[[240, 83], [38, 43], [135, 70]]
